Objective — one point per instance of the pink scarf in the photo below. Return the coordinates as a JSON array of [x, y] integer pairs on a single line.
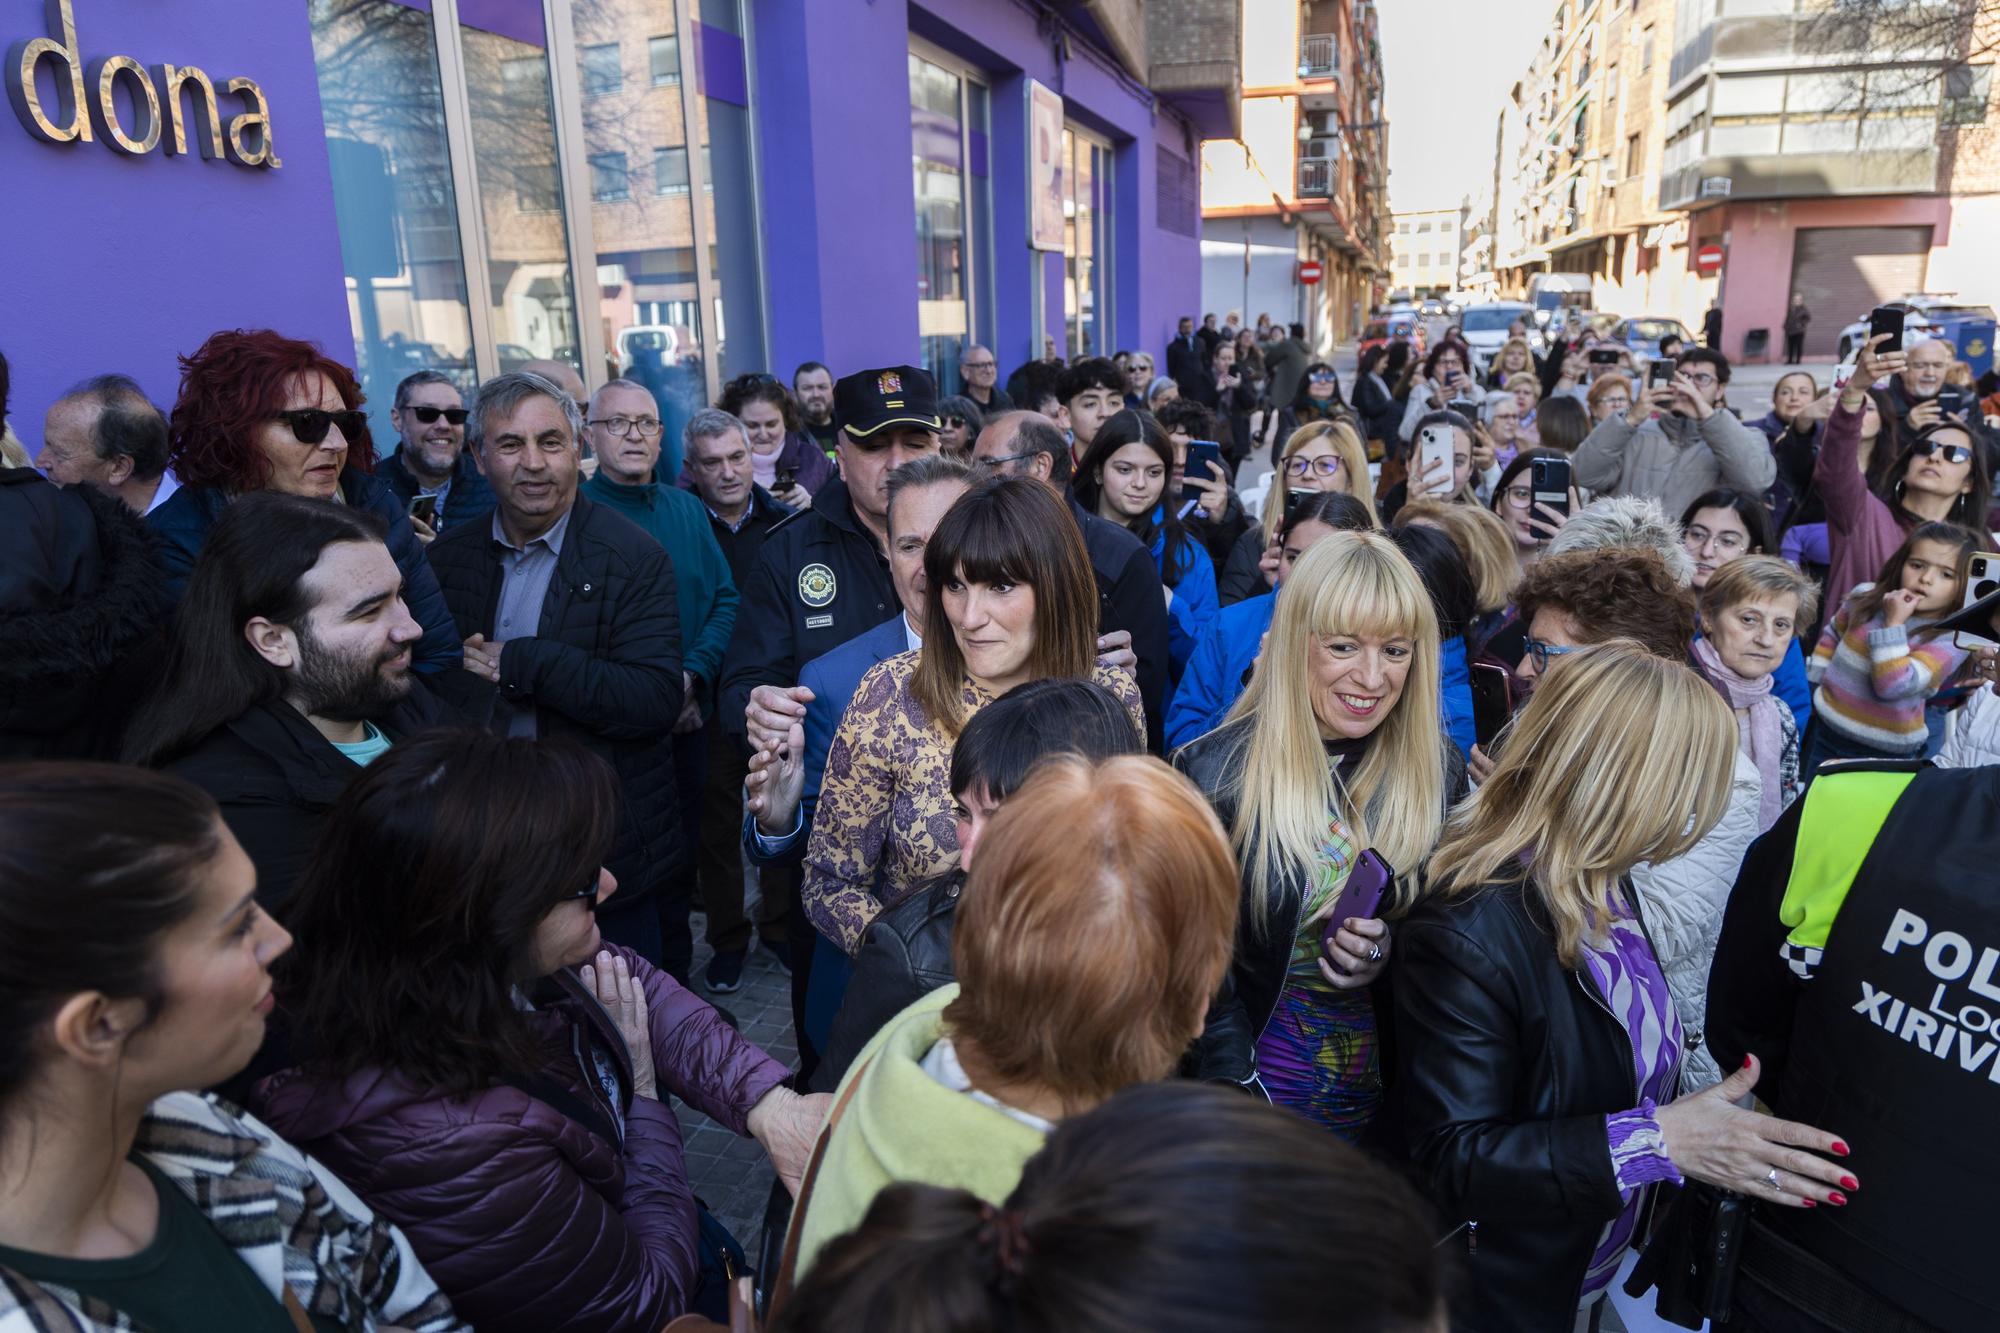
[[1757, 725]]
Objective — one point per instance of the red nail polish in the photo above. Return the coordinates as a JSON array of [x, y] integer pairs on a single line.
[[1850, 1182], [1837, 1199], [1746, 1062], [1839, 1148], [1809, 1203]]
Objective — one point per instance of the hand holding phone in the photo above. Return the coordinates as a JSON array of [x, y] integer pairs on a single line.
[[1352, 955], [1549, 480], [1886, 321], [1434, 454], [1604, 356], [1982, 580], [423, 508]]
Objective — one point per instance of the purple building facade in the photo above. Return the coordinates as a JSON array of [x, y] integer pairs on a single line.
[[681, 192]]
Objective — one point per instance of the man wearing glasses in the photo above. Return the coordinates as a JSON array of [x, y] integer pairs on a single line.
[[1677, 441], [430, 471], [978, 371]]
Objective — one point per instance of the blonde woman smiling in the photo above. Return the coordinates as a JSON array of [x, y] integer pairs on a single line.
[[1334, 749]]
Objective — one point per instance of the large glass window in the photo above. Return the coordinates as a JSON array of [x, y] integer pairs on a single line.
[[937, 157], [665, 55], [729, 195], [392, 190], [1087, 179]]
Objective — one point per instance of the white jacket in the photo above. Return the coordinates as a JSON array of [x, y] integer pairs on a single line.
[[1683, 900], [1975, 733]]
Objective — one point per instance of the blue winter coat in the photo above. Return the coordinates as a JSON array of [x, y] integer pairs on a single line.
[[1195, 602]]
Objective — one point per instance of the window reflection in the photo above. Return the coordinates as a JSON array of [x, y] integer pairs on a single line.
[[937, 156]]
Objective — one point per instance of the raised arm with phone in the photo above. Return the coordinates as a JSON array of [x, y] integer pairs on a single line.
[[1677, 441]]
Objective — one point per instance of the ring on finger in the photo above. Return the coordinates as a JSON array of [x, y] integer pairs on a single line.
[[1771, 1179], [1374, 953]]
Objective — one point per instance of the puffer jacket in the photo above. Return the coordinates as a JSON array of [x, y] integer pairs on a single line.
[[1684, 900], [529, 1220], [603, 668], [1674, 459], [1975, 733], [183, 523], [81, 608]]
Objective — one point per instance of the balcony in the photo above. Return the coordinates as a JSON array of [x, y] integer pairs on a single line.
[[1315, 179], [1319, 57], [1195, 63]]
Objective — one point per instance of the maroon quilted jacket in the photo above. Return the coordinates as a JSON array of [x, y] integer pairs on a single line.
[[530, 1220]]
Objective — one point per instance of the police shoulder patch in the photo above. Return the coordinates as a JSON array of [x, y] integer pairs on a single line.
[[816, 585]]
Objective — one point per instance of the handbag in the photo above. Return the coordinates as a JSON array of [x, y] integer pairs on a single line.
[[787, 1275], [1694, 1255]]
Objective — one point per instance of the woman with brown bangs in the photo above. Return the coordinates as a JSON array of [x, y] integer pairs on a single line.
[[1008, 577]]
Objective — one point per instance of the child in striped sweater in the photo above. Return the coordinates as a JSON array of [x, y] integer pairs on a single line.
[[1873, 679]]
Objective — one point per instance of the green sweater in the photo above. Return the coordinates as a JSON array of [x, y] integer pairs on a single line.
[[702, 585], [904, 1126]]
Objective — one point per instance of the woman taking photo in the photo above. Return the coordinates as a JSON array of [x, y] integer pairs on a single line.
[[134, 970], [1334, 749], [259, 411], [1086, 962], [482, 1068], [1328, 456], [1472, 454], [1542, 1104], [784, 460], [1750, 614], [1010, 598], [1124, 477], [1444, 377]]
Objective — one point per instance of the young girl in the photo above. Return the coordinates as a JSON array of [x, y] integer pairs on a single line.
[[1873, 680]]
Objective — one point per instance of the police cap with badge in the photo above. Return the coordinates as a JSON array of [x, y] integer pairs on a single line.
[[869, 402]]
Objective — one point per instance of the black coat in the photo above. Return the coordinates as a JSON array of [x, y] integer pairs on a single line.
[[1242, 574], [469, 497], [275, 777], [820, 580], [604, 668], [82, 601], [742, 546], [1378, 409], [1130, 597], [1500, 1091]]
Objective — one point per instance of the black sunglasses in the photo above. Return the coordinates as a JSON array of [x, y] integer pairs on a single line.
[[310, 424], [1950, 453], [955, 422], [428, 415], [586, 895]]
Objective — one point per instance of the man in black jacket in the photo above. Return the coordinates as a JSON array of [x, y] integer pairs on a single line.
[[568, 612], [1129, 594], [1187, 360], [430, 458]]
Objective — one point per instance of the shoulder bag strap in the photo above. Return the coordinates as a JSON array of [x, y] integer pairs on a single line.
[[297, 1311], [781, 1285]]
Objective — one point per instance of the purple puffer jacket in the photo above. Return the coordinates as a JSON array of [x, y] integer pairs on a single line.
[[527, 1219], [803, 453]]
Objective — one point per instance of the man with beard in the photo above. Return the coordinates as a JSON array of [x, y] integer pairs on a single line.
[[288, 671], [812, 385], [430, 471]]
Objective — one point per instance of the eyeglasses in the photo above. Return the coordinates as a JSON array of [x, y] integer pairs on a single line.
[[1700, 381], [956, 423], [1519, 495], [1539, 653], [1321, 377], [1950, 453], [310, 424], [429, 415], [995, 464], [1724, 541], [975, 365], [647, 427], [1326, 465], [587, 894]]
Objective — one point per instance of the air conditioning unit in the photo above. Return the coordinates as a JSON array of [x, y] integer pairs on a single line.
[[1713, 187]]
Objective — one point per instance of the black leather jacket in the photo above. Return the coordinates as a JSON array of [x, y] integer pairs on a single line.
[[1509, 1065], [1263, 940]]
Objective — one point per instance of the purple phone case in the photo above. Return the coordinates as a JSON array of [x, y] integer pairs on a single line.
[[1361, 896]]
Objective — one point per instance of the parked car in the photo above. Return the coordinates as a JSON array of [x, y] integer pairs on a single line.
[[1642, 336], [1925, 315], [1485, 326]]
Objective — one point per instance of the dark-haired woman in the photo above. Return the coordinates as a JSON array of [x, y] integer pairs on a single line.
[[780, 449], [1171, 1208], [1123, 477], [1374, 399], [1010, 599], [134, 969], [482, 1069], [1448, 580], [260, 411]]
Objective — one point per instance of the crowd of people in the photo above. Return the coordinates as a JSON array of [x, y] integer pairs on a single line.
[[1527, 848]]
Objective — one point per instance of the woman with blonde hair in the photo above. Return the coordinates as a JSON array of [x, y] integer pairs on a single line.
[[1010, 598], [1334, 749], [1324, 456], [1485, 543], [1542, 1102], [1527, 391], [1091, 936], [1513, 358]]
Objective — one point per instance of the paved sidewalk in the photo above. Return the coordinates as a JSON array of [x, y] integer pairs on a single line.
[[730, 1174]]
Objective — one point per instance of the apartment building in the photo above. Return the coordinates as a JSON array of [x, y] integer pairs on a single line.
[[1306, 183], [1425, 251]]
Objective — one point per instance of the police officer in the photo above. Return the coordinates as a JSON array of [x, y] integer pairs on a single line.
[[1859, 963]]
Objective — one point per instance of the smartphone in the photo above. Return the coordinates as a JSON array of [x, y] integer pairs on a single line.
[[1603, 356], [1982, 580], [1204, 460], [1465, 407], [1435, 442], [1549, 479], [787, 478], [1361, 897], [423, 508], [1659, 373], [1953, 402], [1492, 702], [1886, 319]]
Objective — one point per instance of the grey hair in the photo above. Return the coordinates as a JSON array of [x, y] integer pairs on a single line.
[[709, 423], [1627, 520], [929, 470], [503, 395], [1157, 383], [1041, 436], [1494, 398], [417, 380], [621, 384], [128, 424]]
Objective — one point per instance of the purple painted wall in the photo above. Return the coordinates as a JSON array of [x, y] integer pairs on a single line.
[[117, 263]]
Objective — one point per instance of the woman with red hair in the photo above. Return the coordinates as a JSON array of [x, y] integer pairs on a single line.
[[259, 411]]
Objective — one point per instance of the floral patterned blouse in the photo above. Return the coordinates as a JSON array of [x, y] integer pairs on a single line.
[[885, 821]]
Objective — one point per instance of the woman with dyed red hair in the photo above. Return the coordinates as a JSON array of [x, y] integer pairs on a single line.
[[260, 411]]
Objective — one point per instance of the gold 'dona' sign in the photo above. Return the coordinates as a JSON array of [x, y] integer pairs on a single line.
[[87, 108]]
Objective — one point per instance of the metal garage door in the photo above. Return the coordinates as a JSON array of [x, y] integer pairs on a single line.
[[1847, 271]]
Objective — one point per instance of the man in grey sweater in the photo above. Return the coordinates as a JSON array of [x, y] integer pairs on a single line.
[[1694, 443]]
